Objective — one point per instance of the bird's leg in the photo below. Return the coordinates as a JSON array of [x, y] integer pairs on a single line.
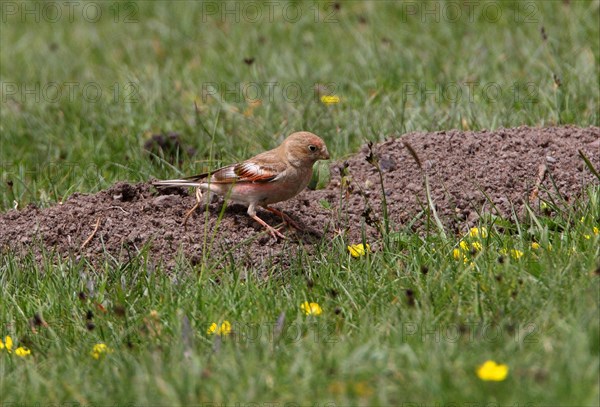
[[285, 218], [189, 213], [274, 232]]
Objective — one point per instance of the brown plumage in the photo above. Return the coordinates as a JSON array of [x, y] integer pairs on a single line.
[[270, 177]]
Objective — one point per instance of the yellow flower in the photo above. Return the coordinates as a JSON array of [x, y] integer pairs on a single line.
[[457, 254], [330, 99], [516, 254], [476, 246], [535, 245], [362, 389], [99, 350], [311, 308], [492, 371], [464, 245], [223, 330], [358, 250], [7, 344], [476, 232], [212, 328], [22, 351], [595, 230]]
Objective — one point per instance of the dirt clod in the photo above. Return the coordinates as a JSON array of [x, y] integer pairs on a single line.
[[169, 147], [470, 173]]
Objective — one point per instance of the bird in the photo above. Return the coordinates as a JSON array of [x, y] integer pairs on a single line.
[[267, 178]]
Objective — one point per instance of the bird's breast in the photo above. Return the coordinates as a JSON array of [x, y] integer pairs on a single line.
[[264, 193]]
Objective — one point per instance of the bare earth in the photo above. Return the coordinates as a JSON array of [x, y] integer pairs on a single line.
[[508, 165]]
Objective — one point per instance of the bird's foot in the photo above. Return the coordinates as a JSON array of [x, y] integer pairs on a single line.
[[189, 213], [289, 221], [272, 231], [275, 233]]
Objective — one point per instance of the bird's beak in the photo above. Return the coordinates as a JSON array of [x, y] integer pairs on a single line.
[[325, 154]]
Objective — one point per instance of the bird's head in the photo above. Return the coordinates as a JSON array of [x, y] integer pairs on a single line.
[[305, 148]]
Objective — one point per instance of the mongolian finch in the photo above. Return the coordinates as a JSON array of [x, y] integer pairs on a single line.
[[273, 176]]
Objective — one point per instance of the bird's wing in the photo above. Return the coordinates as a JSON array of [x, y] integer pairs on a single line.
[[249, 171], [265, 167]]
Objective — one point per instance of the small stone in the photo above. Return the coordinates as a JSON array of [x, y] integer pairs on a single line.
[[387, 164], [164, 200]]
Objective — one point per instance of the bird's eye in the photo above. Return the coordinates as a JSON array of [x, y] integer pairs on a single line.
[[312, 148]]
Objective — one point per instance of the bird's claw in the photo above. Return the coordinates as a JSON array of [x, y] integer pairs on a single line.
[[276, 233], [293, 224], [288, 221]]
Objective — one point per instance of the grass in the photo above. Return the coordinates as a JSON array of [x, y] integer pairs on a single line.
[[408, 323]]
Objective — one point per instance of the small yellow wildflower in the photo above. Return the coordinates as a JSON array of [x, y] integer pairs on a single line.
[[492, 371], [330, 99], [337, 387], [7, 344], [535, 245], [22, 351], [476, 232], [358, 250], [595, 230], [311, 308], [99, 350], [457, 254], [464, 245], [476, 246], [362, 389], [223, 330], [516, 254]]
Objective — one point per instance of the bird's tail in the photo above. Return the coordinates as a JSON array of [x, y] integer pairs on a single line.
[[193, 181]]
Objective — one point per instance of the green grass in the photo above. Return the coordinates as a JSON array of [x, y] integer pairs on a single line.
[[371, 345], [374, 343]]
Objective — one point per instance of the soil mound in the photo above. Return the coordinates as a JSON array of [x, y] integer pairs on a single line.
[[468, 171]]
